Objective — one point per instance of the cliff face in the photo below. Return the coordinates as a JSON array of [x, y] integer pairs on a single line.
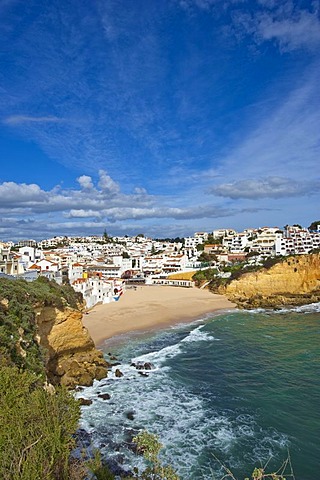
[[72, 358], [295, 281]]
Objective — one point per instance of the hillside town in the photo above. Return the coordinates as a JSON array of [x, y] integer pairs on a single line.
[[102, 267]]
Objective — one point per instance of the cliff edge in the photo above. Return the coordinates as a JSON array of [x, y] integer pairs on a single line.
[[72, 358], [41, 331], [294, 281]]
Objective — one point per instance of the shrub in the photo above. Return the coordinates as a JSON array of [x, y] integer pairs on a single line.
[[36, 428], [149, 446]]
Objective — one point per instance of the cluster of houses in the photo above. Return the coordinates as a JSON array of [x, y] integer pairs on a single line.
[[100, 267]]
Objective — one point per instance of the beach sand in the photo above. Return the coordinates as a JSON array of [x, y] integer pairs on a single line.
[[151, 307]]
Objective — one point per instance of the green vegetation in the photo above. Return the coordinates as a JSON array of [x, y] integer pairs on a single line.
[[203, 276], [314, 225], [36, 428], [149, 446], [211, 240], [207, 257], [170, 240]]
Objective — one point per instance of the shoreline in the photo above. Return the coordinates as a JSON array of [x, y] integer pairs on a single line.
[[151, 308]]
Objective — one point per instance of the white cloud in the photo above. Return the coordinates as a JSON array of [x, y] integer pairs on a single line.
[[270, 187], [21, 119], [85, 182], [29, 209], [108, 185], [284, 23], [23, 194], [83, 214], [303, 30]]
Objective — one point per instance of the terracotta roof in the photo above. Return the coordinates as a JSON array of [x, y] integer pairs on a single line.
[[34, 267]]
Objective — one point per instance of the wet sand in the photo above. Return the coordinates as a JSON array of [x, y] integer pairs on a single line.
[[151, 307]]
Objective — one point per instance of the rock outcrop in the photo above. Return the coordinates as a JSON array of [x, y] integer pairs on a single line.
[[72, 358], [295, 281]]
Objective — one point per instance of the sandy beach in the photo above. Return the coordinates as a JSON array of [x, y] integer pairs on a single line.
[[151, 307]]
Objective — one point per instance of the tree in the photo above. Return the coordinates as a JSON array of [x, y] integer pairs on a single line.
[[207, 257], [314, 225]]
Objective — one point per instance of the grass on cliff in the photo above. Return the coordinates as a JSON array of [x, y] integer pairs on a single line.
[[36, 428]]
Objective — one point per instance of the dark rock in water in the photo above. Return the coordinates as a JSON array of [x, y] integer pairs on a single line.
[[148, 366], [143, 374], [143, 365], [85, 401], [118, 373], [132, 365], [83, 450], [78, 389], [130, 433], [83, 437], [104, 396], [130, 415], [112, 357], [139, 366], [116, 469], [131, 446], [115, 364]]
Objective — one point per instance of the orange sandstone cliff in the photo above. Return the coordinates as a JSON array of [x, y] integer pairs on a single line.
[[72, 358], [295, 281]]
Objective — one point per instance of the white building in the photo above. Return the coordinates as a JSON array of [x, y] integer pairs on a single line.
[[297, 242], [265, 240], [96, 290]]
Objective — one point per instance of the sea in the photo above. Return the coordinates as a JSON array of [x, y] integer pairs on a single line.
[[229, 392]]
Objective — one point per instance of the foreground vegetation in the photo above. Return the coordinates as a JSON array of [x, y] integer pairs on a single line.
[[36, 428]]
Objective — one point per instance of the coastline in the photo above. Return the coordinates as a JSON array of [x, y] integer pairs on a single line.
[[151, 307]]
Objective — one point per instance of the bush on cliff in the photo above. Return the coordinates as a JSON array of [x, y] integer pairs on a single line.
[[203, 276], [36, 428]]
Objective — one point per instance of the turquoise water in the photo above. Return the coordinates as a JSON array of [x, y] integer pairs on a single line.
[[241, 387]]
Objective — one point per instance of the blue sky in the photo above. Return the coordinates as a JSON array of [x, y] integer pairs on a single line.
[[158, 117]]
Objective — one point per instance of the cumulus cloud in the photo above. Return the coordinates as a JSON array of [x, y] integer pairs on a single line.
[[14, 194], [85, 182], [270, 187], [106, 183]]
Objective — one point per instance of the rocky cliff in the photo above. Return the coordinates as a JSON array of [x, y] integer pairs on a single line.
[[41, 331], [72, 358], [295, 281]]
